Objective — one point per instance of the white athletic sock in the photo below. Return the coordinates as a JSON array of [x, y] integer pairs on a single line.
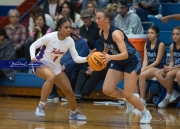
[[168, 96], [42, 104], [74, 112], [135, 94], [143, 111], [143, 100]]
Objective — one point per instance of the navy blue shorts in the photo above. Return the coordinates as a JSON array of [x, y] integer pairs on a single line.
[[132, 64]]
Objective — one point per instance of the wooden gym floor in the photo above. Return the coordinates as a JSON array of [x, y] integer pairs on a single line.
[[18, 113]]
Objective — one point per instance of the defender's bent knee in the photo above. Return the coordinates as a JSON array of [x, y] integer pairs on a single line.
[[51, 79], [127, 95], [107, 91]]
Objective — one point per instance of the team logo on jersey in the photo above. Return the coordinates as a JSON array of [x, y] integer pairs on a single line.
[[56, 51]]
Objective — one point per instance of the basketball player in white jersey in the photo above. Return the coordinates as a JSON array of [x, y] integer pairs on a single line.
[[53, 46]]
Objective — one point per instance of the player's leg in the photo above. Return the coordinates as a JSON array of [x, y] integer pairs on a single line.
[[63, 83], [129, 87], [48, 75], [143, 77], [178, 77], [113, 77], [168, 82]]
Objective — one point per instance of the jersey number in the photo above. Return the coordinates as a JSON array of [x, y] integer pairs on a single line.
[[55, 58]]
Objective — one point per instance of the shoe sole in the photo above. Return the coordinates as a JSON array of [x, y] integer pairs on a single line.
[[145, 122], [40, 115], [79, 119], [76, 95], [64, 100]]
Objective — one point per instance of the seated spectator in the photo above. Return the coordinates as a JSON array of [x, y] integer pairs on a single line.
[[16, 32], [144, 8], [67, 63], [92, 7], [36, 10], [154, 59], [51, 8], [101, 3], [170, 17], [39, 30], [68, 10], [166, 75], [128, 19], [88, 79], [89, 31], [58, 16], [75, 4], [7, 52]]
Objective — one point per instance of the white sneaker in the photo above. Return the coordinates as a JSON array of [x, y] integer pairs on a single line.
[[136, 111], [163, 103], [64, 99], [146, 118], [145, 126], [40, 111], [129, 107], [53, 99], [174, 96]]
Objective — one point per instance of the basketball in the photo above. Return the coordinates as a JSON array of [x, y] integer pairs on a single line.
[[95, 61]]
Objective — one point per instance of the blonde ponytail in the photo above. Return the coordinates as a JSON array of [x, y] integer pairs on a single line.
[[109, 10]]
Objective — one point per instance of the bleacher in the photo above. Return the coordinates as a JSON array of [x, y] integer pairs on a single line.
[[29, 84]]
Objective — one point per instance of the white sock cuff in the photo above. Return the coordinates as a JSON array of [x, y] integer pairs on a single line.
[[135, 94], [168, 96], [74, 112], [42, 103]]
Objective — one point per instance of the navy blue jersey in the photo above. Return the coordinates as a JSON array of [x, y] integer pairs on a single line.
[[152, 54], [176, 55], [112, 46]]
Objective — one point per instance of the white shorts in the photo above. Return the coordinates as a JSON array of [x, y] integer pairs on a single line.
[[56, 68]]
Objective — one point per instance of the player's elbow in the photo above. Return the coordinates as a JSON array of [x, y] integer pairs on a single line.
[[126, 55]]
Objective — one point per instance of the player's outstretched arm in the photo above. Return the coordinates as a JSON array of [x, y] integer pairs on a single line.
[[75, 56], [172, 17]]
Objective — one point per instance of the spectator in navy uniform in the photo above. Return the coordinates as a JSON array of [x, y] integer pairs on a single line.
[[154, 59], [167, 74]]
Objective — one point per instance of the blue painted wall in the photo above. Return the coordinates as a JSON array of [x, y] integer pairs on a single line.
[[4, 10]]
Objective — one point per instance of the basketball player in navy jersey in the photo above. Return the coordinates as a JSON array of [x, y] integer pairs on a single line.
[[53, 46], [126, 61]]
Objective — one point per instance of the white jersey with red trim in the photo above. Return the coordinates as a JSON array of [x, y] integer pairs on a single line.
[[52, 50]]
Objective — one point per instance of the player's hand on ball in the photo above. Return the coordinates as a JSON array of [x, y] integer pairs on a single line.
[[106, 57], [94, 50]]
